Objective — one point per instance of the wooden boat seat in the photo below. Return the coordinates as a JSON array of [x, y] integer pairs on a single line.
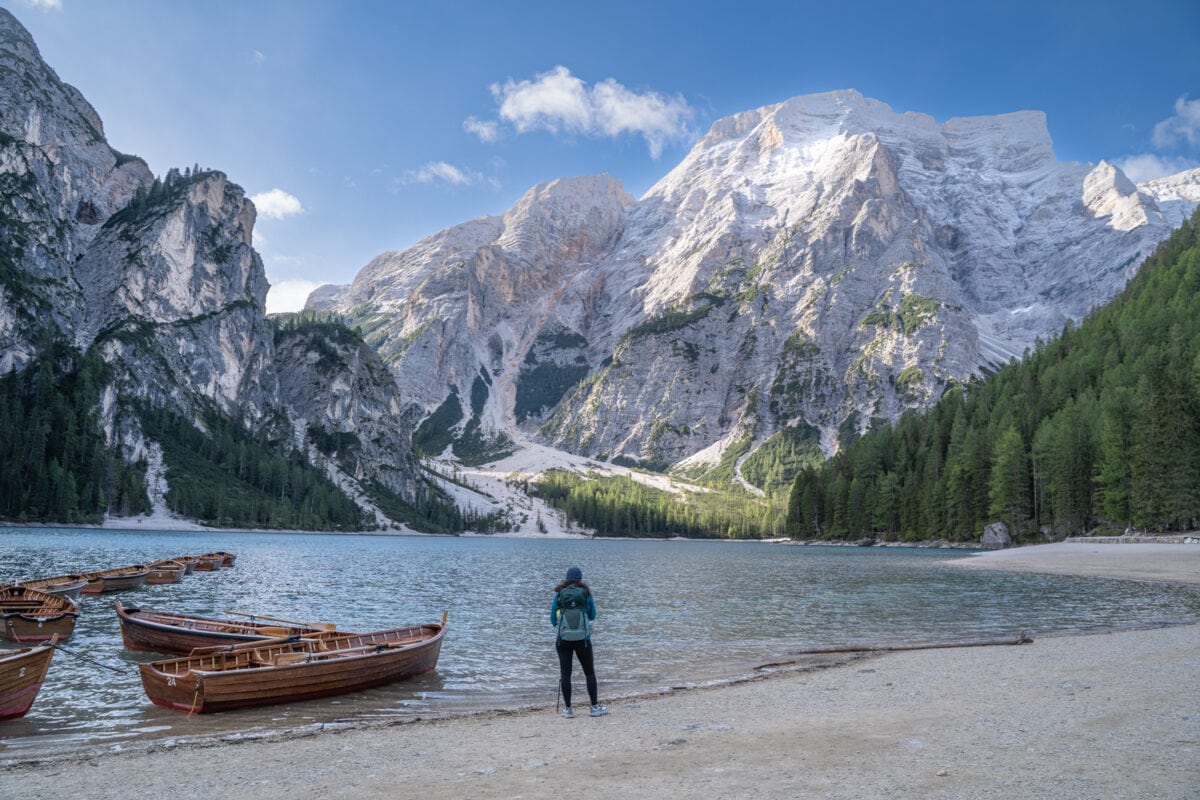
[[283, 659]]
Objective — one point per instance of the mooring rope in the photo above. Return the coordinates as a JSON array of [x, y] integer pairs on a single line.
[[89, 659]]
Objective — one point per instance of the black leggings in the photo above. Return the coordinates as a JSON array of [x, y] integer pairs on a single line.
[[583, 649]]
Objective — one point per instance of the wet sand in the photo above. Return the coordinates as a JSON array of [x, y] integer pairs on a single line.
[[1101, 716]]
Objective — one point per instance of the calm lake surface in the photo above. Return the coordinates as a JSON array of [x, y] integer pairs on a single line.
[[670, 613]]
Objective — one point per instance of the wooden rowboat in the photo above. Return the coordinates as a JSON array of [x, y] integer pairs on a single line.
[[291, 671], [220, 559], [162, 572], [68, 586], [32, 616], [169, 632], [189, 563], [21, 675], [209, 561], [111, 580]]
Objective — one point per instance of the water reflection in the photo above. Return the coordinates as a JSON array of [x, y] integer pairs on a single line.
[[670, 612]]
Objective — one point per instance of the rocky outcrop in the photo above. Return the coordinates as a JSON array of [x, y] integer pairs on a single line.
[[822, 262], [346, 406], [59, 181], [174, 296], [160, 277], [996, 536]]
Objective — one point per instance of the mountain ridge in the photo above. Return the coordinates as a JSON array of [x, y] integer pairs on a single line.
[[824, 262], [154, 285]]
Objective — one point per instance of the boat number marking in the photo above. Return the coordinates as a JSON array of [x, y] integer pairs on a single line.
[[170, 681], [22, 675]]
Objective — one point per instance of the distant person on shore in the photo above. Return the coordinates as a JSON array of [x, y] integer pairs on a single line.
[[571, 613]]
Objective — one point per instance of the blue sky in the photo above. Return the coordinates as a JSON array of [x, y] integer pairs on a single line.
[[364, 126]]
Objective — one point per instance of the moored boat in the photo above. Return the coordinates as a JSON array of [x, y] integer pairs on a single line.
[[209, 562], [291, 671], [112, 580], [32, 616], [68, 586], [189, 563], [22, 673], [162, 572], [170, 632]]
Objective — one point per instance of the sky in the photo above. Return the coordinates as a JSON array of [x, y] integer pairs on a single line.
[[360, 127]]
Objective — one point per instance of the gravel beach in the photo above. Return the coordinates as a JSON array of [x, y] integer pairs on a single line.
[[1101, 716]]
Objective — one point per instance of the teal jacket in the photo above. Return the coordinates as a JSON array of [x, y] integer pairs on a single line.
[[591, 611]]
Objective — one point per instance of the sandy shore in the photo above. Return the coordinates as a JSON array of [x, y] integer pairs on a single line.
[[1102, 716], [1178, 563]]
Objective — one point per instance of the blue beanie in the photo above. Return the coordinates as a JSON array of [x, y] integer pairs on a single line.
[[574, 574]]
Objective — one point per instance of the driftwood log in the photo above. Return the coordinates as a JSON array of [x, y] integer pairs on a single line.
[[821, 651]]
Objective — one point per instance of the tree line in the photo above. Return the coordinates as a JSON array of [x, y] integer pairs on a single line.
[[223, 475], [620, 506], [55, 465], [1096, 429]]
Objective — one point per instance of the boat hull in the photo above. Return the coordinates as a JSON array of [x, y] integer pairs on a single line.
[[288, 673], [67, 586], [157, 632], [26, 629], [21, 676], [160, 574], [100, 583], [31, 615]]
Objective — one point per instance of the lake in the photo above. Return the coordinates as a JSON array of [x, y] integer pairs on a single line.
[[670, 613]]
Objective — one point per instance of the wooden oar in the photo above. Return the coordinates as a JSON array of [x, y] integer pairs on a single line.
[[321, 626], [238, 647]]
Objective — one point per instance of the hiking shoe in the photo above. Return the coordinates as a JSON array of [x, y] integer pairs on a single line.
[[568, 713], [599, 710]]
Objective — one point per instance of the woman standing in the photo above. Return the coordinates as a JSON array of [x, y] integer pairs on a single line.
[[571, 613]]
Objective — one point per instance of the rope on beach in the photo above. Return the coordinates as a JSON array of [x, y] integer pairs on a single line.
[[89, 659], [821, 651]]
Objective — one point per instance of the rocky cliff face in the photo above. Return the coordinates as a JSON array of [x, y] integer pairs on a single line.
[[346, 405], [160, 276], [823, 262], [59, 181]]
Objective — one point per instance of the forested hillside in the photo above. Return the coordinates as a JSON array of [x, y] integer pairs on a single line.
[[1098, 428], [54, 463]]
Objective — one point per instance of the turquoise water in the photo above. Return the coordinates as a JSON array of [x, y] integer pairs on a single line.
[[669, 613]]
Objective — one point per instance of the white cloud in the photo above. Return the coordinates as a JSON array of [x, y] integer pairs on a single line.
[[555, 100], [444, 173], [277, 204], [289, 295], [559, 102], [257, 57], [1148, 166], [658, 119], [1184, 125], [46, 5], [487, 131]]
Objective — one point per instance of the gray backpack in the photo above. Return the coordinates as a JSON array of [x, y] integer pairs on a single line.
[[573, 624]]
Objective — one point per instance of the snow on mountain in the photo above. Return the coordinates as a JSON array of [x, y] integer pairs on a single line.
[[808, 269]]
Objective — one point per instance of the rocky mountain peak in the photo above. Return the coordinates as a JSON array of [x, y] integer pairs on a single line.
[[1107, 192], [36, 106], [158, 277], [809, 268]]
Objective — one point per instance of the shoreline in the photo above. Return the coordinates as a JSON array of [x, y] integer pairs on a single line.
[[978, 722]]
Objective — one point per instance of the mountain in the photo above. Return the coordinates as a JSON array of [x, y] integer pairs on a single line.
[[1099, 428], [808, 270], [157, 277]]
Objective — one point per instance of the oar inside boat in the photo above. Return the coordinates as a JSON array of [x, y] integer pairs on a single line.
[[321, 626]]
